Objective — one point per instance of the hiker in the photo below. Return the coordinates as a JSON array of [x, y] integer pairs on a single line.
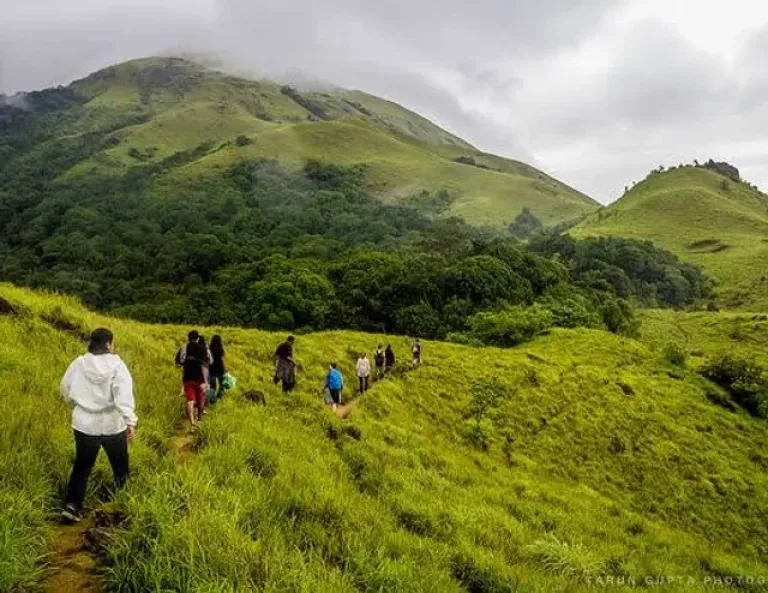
[[389, 358], [208, 360], [416, 350], [217, 369], [363, 372], [334, 383], [285, 370], [194, 358], [380, 359], [99, 389]]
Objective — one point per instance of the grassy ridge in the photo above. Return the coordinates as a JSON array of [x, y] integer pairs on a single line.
[[598, 459], [705, 219], [157, 107]]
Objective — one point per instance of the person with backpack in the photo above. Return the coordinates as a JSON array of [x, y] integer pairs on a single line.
[[99, 388], [416, 351], [389, 358], [285, 371], [194, 358], [380, 360], [208, 359], [216, 370], [363, 372], [334, 383]]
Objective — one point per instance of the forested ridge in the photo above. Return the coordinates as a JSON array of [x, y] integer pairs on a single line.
[[260, 245]]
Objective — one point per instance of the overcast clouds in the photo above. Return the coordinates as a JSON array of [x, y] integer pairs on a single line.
[[596, 94]]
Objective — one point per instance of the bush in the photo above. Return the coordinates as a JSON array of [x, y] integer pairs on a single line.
[[744, 379], [511, 326], [571, 311], [675, 354]]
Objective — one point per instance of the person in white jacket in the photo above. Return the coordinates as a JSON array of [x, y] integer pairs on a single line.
[[99, 389], [363, 372]]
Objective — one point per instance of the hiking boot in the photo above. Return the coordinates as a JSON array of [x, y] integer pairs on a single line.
[[71, 514]]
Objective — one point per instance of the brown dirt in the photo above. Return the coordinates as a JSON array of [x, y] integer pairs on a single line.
[[344, 410], [183, 444], [72, 568]]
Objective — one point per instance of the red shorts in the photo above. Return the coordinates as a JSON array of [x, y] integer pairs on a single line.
[[193, 391]]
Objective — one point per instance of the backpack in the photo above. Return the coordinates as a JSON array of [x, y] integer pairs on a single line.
[[379, 359]]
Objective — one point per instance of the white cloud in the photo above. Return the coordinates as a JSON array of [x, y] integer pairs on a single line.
[[597, 93]]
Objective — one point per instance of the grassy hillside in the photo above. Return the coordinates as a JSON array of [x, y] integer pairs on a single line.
[[704, 218], [147, 111], [708, 335], [590, 459]]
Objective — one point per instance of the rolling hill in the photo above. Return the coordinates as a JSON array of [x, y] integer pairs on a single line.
[[198, 123], [705, 218], [594, 459]]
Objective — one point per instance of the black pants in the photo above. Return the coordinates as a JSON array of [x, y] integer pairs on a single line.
[[363, 384], [86, 450]]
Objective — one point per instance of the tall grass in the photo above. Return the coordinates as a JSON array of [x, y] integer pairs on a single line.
[[596, 463]]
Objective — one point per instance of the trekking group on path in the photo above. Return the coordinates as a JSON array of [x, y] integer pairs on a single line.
[[99, 389]]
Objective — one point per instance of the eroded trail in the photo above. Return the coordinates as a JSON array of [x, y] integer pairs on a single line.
[[72, 568], [73, 549]]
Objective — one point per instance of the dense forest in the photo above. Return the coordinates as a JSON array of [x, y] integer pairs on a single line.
[[305, 250], [258, 245]]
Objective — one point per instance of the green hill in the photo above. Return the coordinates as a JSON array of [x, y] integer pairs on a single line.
[[703, 217], [156, 110], [590, 459]]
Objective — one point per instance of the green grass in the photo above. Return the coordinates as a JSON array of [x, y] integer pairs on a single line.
[[705, 219], [187, 106], [599, 460], [708, 335]]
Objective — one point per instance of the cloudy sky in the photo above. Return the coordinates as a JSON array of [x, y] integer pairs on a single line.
[[596, 92]]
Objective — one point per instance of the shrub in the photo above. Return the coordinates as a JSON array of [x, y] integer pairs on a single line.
[[571, 311], [675, 354], [561, 558], [243, 140], [510, 326], [744, 379]]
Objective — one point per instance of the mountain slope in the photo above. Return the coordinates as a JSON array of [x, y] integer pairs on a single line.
[[705, 218], [146, 111], [596, 461]]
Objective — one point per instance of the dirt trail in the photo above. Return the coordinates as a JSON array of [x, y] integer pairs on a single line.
[[72, 568], [344, 410], [183, 444]]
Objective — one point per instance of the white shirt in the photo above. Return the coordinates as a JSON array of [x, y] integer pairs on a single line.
[[99, 388], [363, 367]]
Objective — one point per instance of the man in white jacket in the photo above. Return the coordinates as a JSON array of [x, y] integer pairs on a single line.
[[99, 388]]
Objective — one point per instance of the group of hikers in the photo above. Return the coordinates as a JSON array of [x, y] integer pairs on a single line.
[[99, 389], [333, 386], [203, 373]]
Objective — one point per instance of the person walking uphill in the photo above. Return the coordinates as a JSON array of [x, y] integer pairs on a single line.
[[285, 371], [363, 372], [380, 359], [194, 358], [416, 351], [334, 382], [217, 369], [389, 358], [99, 389]]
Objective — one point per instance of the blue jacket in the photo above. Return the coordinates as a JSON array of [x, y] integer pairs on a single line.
[[334, 380]]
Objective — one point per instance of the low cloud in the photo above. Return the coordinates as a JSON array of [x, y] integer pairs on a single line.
[[597, 94]]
